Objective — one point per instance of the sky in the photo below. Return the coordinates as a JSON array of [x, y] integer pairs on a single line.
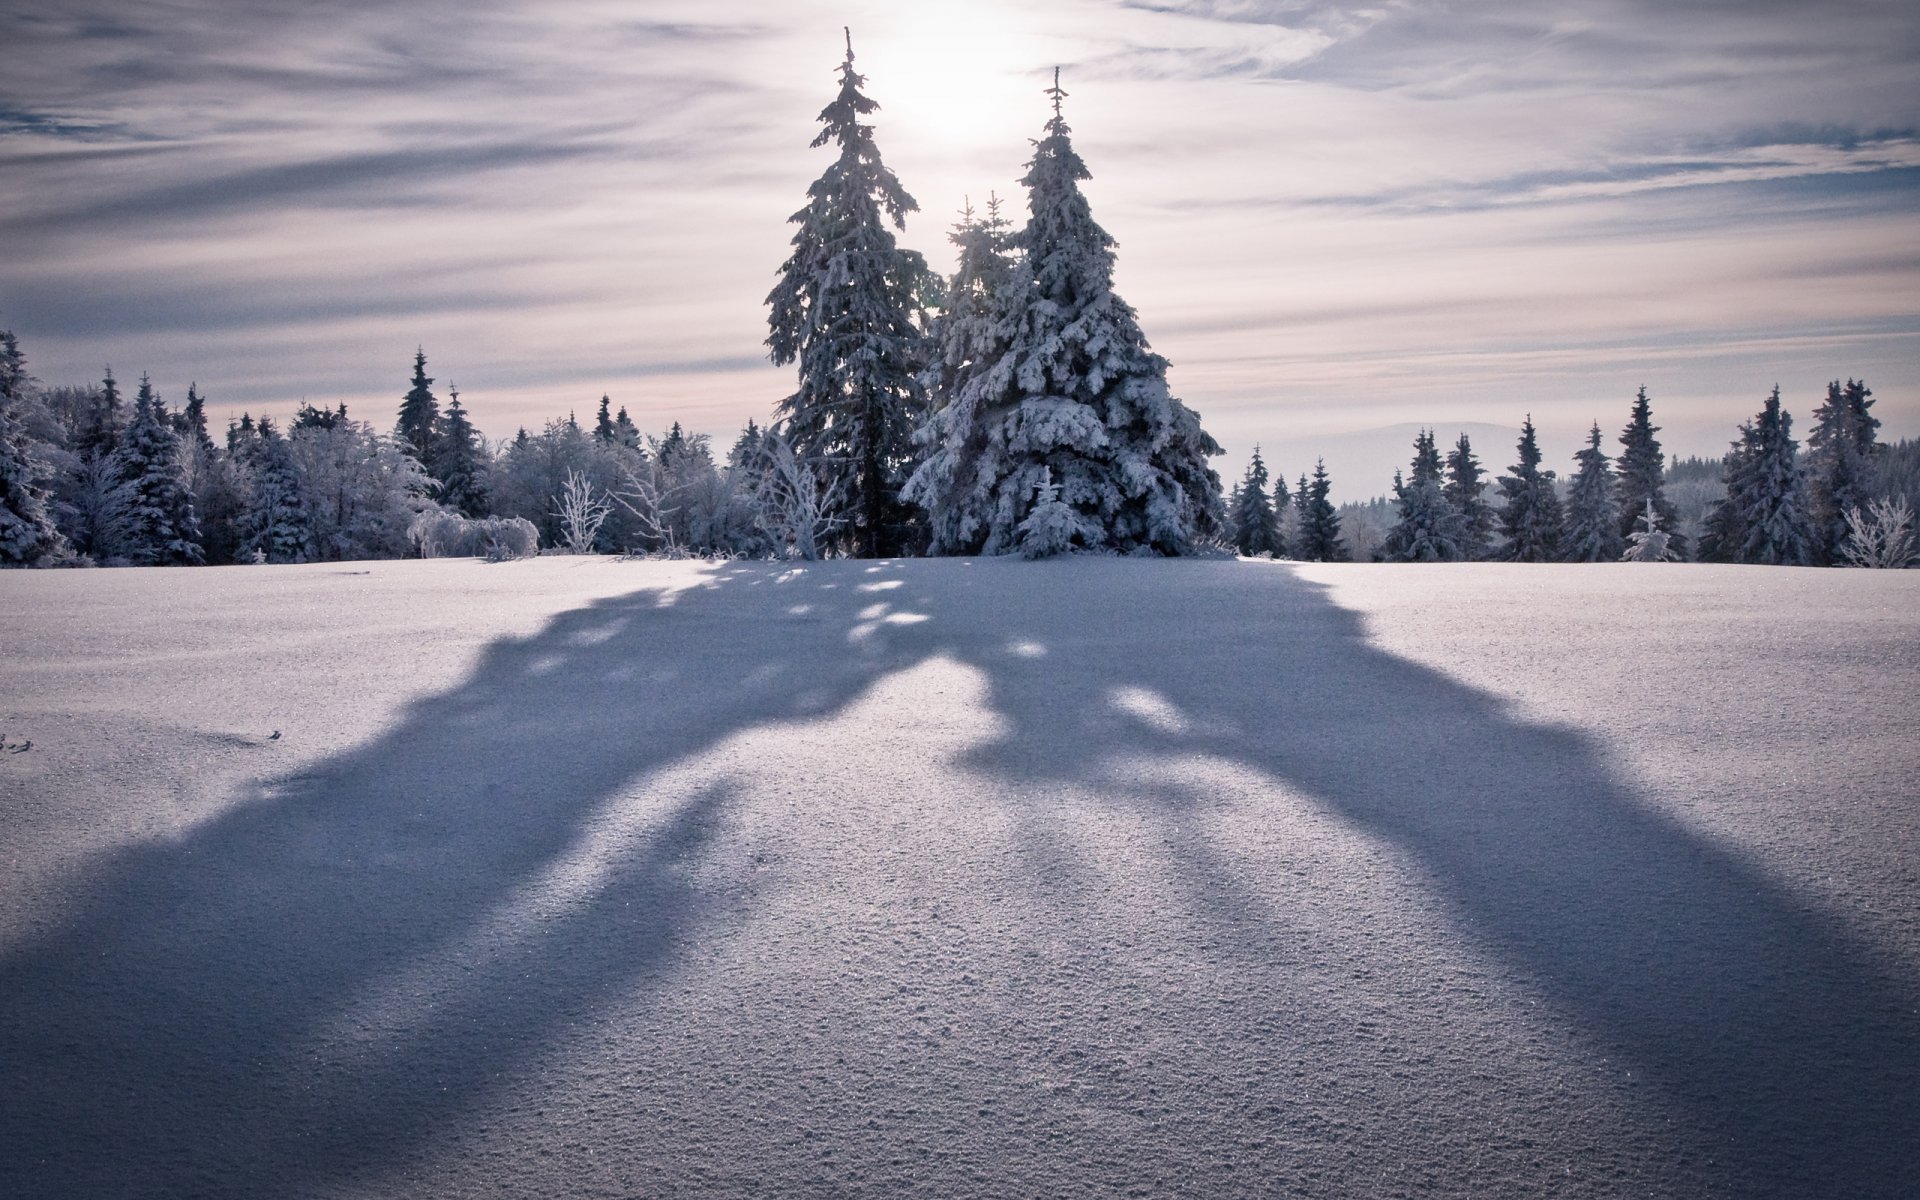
[[1331, 218]]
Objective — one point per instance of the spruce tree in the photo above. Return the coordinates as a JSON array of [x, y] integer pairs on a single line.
[[1531, 520], [625, 432], [458, 462], [1319, 537], [162, 527], [278, 527], [27, 532], [848, 310], [1429, 528], [191, 422], [1763, 517], [1078, 402], [604, 430], [1256, 528], [1592, 529], [418, 412], [1841, 450], [1466, 491], [969, 341], [101, 434], [1642, 473]]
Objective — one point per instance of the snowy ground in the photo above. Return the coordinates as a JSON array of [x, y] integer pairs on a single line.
[[1085, 878]]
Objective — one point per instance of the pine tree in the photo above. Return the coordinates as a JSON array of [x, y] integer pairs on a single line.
[[1592, 530], [1466, 491], [1256, 528], [278, 527], [418, 412], [1319, 537], [1649, 542], [1763, 517], [969, 340], [848, 310], [625, 432], [1078, 401], [191, 421], [1642, 472], [1531, 520], [1429, 528], [1841, 451], [458, 462], [604, 430], [101, 435], [27, 532], [163, 530]]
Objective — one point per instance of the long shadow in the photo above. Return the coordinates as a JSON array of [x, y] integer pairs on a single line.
[[308, 989]]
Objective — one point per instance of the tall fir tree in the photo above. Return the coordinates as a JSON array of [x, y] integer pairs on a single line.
[[1531, 519], [1255, 525], [1841, 451], [625, 432], [418, 412], [1319, 538], [458, 463], [1078, 402], [848, 310], [162, 527], [1641, 476], [1429, 528], [28, 535], [1466, 491], [1592, 529], [278, 527], [1763, 517], [969, 341]]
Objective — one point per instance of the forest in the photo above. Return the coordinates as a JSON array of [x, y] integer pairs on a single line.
[[1014, 406]]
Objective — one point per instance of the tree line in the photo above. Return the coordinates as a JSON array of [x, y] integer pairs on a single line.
[[1846, 502]]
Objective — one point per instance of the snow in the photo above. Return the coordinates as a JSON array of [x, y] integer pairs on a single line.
[[578, 877]]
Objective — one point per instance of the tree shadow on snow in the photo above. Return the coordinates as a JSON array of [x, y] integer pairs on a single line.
[[308, 988]]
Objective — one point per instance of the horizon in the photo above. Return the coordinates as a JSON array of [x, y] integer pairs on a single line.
[[1462, 221]]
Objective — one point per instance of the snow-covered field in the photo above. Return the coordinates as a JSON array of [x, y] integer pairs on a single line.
[[576, 877]]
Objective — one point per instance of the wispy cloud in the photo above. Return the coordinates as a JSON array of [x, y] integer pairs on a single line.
[[1324, 208]]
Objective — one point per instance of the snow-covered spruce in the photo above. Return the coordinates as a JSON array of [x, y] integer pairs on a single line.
[[278, 529], [1841, 449], [1075, 398], [458, 463], [27, 532], [1429, 528], [1317, 535], [1649, 542], [1591, 532], [1466, 488], [848, 309], [1642, 472], [1763, 517], [1254, 521], [970, 339], [419, 412], [162, 527], [1531, 520]]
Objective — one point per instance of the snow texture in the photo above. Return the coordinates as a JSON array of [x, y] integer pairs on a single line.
[[959, 877]]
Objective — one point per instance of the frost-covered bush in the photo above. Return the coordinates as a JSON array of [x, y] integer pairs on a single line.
[[437, 533], [1880, 537]]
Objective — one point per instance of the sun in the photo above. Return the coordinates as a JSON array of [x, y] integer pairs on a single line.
[[948, 78]]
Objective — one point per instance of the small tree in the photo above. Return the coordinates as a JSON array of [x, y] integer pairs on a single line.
[[582, 509], [796, 503], [1649, 542], [1881, 537]]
